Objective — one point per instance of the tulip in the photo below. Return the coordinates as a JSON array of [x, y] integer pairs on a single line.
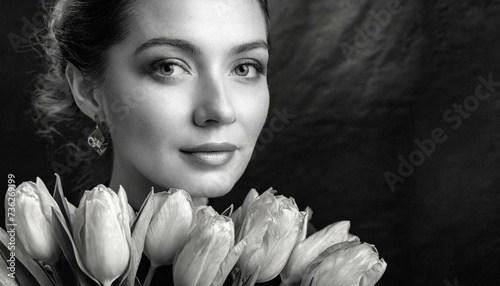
[[208, 255], [348, 263], [33, 210], [102, 233], [272, 225], [173, 218], [307, 250], [170, 226]]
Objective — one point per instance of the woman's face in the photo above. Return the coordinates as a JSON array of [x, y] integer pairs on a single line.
[[187, 94]]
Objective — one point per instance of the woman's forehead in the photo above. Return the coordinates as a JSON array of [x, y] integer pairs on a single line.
[[194, 20]]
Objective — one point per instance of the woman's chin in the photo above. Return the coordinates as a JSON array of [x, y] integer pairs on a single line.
[[199, 185], [211, 185], [208, 191]]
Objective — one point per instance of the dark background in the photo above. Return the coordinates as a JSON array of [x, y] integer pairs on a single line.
[[354, 114]]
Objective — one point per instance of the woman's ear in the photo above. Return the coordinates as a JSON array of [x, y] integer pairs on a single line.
[[83, 91]]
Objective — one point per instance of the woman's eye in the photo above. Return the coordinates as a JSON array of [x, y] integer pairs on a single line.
[[249, 70], [168, 68], [242, 70]]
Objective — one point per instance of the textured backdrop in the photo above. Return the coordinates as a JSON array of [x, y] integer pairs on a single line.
[[361, 81]]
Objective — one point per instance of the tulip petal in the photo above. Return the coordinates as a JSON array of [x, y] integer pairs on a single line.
[[216, 252], [329, 251], [258, 216], [307, 217], [5, 279], [124, 206], [254, 252], [254, 276], [127, 210], [351, 237], [306, 251], [203, 213], [31, 266], [70, 250], [146, 201], [91, 213], [131, 214], [373, 275], [280, 242], [345, 270], [273, 224], [139, 231], [106, 248], [31, 220], [77, 226], [36, 234], [129, 265], [229, 262], [249, 199], [71, 211], [208, 245], [58, 201], [169, 227], [48, 201], [347, 263], [84, 199], [206, 211], [239, 215]]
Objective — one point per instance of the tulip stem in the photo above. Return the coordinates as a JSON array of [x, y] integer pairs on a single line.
[[240, 279], [149, 277], [55, 270], [237, 279]]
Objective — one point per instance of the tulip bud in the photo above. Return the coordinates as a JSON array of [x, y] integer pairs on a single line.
[[348, 263], [102, 233], [307, 250], [272, 225], [207, 248], [170, 226], [33, 217]]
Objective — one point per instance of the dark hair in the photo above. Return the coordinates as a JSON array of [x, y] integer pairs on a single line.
[[80, 32]]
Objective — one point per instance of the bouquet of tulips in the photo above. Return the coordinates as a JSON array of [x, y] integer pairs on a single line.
[[101, 241]]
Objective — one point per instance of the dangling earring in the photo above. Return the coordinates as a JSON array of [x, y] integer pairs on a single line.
[[97, 140]]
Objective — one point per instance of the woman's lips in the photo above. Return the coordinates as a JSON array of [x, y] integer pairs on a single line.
[[210, 154]]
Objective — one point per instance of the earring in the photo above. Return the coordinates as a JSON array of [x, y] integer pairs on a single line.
[[97, 140]]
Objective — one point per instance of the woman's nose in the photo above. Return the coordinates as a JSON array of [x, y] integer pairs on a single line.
[[214, 104]]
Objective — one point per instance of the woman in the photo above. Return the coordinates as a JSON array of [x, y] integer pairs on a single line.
[[178, 88]]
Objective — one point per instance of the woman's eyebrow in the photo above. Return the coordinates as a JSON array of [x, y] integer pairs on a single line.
[[181, 44], [192, 49], [250, 46]]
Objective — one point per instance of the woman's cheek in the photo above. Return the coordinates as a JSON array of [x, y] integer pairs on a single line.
[[126, 117], [255, 108]]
